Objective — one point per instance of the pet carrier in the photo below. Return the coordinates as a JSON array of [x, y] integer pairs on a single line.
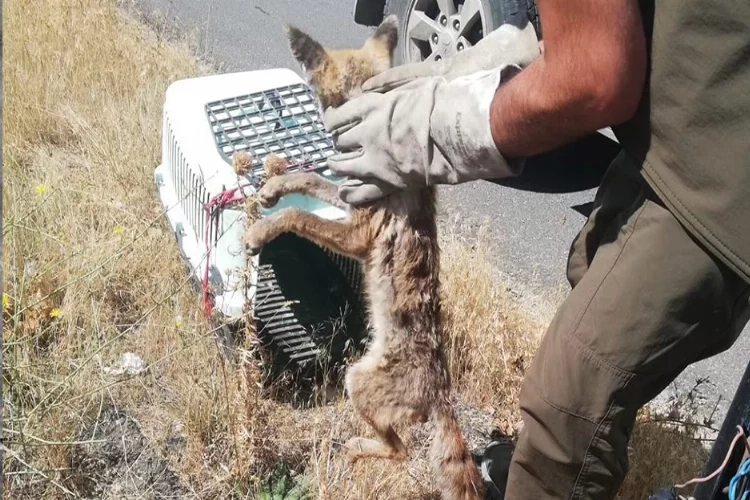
[[305, 300]]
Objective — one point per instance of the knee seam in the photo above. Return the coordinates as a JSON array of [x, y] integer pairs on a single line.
[[578, 484]]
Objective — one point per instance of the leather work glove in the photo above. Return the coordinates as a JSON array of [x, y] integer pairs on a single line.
[[427, 123], [506, 45]]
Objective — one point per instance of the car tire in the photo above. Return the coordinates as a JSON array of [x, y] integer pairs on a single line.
[[496, 13]]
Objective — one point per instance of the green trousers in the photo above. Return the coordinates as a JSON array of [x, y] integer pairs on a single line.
[[647, 301]]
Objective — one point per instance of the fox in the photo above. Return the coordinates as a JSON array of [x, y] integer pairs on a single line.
[[403, 376]]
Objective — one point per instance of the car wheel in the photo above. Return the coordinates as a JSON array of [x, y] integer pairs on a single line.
[[431, 30]]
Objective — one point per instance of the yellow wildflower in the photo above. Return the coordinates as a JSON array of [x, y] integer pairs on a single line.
[[118, 230], [55, 313], [6, 302], [40, 189]]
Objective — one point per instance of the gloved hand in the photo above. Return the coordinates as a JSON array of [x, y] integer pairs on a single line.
[[427, 123], [506, 45], [425, 132]]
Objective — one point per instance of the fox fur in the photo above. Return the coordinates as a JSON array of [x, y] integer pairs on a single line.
[[403, 377]]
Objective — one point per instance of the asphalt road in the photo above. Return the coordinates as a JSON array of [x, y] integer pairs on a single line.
[[530, 221]]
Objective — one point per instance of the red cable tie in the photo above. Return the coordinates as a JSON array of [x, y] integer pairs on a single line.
[[219, 201]]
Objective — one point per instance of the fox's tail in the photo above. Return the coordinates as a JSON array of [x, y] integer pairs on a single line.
[[458, 477]]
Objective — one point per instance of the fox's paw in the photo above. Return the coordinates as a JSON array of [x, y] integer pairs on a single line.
[[257, 236], [264, 230], [359, 447], [272, 190]]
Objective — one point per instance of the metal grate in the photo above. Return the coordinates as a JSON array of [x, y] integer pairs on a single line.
[[284, 121], [349, 268], [308, 301]]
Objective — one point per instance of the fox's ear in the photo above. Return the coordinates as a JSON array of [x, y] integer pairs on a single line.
[[387, 34], [307, 51]]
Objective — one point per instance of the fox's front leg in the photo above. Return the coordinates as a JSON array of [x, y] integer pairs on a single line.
[[346, 237], [306, 183]]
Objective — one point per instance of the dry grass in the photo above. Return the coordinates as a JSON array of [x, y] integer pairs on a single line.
[[661, 455], [491, 340], [91, 271]]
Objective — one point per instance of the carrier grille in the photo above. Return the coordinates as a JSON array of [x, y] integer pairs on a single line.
[[350, 269], [284, 121], [308, 301]]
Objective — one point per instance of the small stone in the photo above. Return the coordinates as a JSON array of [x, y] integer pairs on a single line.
[[129, 363]]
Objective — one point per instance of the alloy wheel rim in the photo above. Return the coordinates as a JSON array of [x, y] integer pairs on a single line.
[[439, 29]]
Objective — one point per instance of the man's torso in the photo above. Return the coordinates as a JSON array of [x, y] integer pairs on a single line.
[[691, 133]]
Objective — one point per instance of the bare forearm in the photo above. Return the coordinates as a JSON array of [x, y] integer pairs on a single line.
[[590, 76], [528, 115]]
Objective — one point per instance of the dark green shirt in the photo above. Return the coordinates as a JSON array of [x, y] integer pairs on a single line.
[[691, 133]]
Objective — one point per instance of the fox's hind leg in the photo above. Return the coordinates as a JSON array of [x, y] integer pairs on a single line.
[[376, 397]]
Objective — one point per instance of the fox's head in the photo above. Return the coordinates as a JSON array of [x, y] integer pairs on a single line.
[[337, 75]]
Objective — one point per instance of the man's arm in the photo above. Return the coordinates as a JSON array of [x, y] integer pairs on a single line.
[[590, 75], [438, 130]]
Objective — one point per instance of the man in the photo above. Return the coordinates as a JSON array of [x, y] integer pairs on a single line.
[[660, 270]]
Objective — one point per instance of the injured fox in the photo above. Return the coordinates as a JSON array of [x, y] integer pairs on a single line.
[[403, 377]]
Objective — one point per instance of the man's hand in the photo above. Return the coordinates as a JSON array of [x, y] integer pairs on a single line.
[[427, 123]]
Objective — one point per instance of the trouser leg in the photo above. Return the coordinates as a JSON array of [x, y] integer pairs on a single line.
[[647, 300]]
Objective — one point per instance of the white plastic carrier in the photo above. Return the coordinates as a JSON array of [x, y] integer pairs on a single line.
[[292, 287]]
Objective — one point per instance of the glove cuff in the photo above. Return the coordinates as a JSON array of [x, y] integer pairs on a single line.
[[463, 147]]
